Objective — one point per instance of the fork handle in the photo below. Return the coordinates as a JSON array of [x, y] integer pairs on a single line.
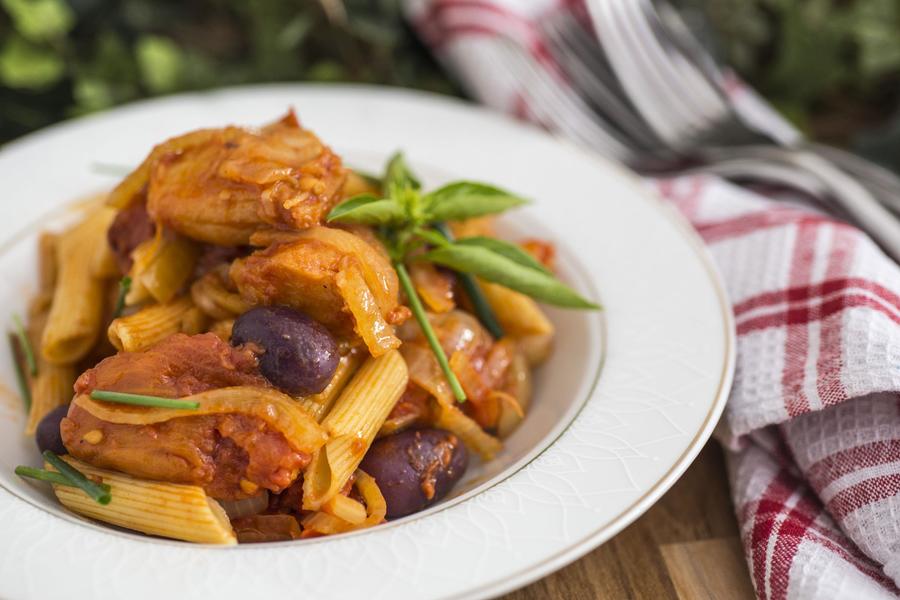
[[878, 221]]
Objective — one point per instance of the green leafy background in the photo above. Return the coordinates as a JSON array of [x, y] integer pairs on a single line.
[[832, 66]]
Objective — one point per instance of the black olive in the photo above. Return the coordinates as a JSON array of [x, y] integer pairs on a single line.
[[299, 356]]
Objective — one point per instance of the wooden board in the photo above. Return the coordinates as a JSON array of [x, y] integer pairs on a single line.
[[686, 547]]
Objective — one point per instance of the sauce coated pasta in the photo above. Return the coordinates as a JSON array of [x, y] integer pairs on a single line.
[[249, 341]]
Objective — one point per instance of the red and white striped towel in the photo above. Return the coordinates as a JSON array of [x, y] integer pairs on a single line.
[[812, 426]]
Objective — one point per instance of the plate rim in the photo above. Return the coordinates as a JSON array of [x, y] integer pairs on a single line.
[[634, 510]]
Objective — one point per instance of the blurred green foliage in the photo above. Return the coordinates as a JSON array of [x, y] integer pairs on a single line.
[[60, 58], [832, 66]]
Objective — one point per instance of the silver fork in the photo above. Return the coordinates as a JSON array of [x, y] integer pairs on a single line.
[[582, 58], [654, 64]]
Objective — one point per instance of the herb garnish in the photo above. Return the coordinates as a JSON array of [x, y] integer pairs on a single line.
[[76, 478], [408, 220], [50, 476], [25, 345], [143, 400], [21, 376], [480, 304], [124, 287]]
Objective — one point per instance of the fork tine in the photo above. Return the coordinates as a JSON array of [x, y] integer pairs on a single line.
[[593, 91]]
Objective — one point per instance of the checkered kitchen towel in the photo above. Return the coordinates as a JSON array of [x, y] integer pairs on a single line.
[[812, 426]]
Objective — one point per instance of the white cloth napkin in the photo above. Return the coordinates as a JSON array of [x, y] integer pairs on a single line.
[[812, 426]]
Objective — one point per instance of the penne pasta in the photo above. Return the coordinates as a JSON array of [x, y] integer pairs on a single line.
[[51, 387], [103, 262], [376, 508], [73, 324], [248, 279], [213, 298], [522, 319], [153, 324], [162, 266], [319, 404], [352, 424], [47, 265], [181, 512]]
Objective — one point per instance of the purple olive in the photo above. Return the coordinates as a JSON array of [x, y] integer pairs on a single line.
[[415, 468], [299, 356], [47, 433]]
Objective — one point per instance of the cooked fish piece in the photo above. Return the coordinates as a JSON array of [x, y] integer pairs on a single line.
[[340, 279], [222, 185], [231, 454]]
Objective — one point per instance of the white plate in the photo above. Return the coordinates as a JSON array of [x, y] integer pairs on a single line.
[[624, 405]]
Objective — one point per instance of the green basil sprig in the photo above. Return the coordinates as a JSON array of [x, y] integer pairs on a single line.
[[408, 219]]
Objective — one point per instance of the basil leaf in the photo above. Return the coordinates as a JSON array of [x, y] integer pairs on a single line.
[[497, 268], [466, 199], [366, 209], [397, 176], [511, 251]]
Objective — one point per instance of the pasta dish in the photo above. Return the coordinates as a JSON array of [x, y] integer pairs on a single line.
[[248, 341]]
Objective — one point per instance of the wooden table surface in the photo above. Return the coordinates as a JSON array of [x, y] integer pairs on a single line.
[[687, 546]]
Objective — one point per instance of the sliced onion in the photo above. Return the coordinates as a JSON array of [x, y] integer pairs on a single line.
[[246, 507], [278, 410]]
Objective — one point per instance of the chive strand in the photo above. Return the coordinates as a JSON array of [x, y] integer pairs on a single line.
[[483, 309], [50, 477], [21, 377], [42, 475], [77, 478], [25, 345], [124, 288], [419, 313], [143, 400]]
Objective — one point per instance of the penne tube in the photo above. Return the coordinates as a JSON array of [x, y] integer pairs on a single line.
[[345, 508], [162, 266], [522, 319], [352, 424], [51, 387], [181, 512], [74, 322], [103, 262], [319, 404], [47, 265], [518, 314], [214, 299], [153, 324], [376, 508]]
